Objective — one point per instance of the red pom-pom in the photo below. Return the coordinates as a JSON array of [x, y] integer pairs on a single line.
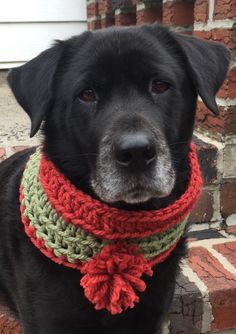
[[112, 277]]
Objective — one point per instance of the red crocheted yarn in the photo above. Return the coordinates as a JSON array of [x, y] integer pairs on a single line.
[[40, 243], [112, 277], [110, 223]]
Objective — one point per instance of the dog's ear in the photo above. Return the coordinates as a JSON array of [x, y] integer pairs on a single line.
[[32, 84], [207, 63]]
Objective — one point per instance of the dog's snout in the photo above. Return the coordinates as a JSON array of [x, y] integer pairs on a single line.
[[135, 151]]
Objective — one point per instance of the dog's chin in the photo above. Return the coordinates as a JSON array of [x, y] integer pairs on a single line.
[[141, 196], [131, 191], [137, 196]]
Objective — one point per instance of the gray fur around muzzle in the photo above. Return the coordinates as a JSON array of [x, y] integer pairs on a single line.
[[133, 167]]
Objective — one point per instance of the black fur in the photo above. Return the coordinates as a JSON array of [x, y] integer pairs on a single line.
[[119, 64]]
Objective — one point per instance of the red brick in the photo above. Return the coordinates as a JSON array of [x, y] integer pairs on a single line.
[[228, 250], [148, 15], [224, 309], [201, 10], [202, 34], [203, 210], [231, 230], [227, 198], [226, 36], [2, 154], [207, 120], [8, 325], [104, 6], [107, 21], [230, 121], [207, 157], [92, 9], [125, 19], [232, 83], [223, 91], [225, 9], [221, 285], [210, 270], [178, 13], [94, 24], [228, 89], [224, 123]]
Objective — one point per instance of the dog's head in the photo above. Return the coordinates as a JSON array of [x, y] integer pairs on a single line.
[[118, 106]]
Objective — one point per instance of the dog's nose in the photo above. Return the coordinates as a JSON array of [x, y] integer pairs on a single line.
[[135, 151]]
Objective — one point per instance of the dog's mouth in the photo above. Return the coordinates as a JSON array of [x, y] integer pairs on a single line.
[[120, 189], [140, 194]]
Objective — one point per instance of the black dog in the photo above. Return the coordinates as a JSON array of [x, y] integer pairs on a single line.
[[118, 109]]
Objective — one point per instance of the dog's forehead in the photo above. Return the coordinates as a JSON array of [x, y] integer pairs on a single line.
[[129, 49], [127, 43]]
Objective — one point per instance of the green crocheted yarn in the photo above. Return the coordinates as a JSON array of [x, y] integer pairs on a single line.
[[68, 240]]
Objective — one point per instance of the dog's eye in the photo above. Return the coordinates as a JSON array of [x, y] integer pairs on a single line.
[[88, 95], [159, 87]]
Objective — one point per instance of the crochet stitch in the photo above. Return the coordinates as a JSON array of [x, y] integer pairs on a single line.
[[112, 248]]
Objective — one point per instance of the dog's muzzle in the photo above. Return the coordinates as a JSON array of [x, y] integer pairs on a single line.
[[133, 167]]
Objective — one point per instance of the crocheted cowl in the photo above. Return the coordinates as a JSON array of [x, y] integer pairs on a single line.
[[112, 248]]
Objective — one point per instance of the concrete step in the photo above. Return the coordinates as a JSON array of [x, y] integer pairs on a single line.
[[14, 122]]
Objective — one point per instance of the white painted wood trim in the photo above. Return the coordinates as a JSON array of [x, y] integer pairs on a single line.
[[42, 10], [23, 41]]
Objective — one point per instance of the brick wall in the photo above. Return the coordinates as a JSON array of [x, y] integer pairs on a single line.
[[215, 135]]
